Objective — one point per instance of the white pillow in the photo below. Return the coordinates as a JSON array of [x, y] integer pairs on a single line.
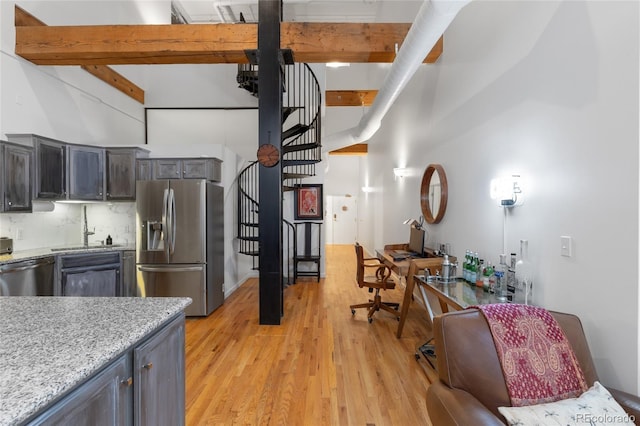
[[594, 407]]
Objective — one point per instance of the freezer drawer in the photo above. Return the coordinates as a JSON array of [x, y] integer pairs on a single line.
[[175, 281]]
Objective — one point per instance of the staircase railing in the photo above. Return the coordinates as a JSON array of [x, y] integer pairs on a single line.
[[301, 150], [248, 211], [288, 252], [304, 98]]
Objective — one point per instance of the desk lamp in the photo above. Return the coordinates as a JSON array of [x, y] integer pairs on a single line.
[[414, 223]]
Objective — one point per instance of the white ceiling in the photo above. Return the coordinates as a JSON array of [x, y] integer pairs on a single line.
[[210, 11]]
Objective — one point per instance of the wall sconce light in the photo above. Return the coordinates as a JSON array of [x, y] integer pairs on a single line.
[[507, 191], [400, 172]]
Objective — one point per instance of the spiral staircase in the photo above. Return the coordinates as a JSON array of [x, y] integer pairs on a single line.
[[300, 152]]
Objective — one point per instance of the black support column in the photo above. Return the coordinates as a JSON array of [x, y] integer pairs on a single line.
[[270, 178]]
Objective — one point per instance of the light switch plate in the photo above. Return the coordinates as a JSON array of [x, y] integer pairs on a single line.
[[566, 246]]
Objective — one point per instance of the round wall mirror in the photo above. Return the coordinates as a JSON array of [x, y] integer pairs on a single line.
[[433, 193]]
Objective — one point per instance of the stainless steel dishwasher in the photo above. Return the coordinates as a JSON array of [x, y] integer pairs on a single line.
[[32, 277]]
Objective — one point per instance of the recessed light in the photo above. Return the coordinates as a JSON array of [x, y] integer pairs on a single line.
[[338, 64]]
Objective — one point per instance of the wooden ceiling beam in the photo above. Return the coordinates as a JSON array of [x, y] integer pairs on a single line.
[[357, 149], [116, 80], [348, 42], [108, 75], [207, 43], [349, 97]]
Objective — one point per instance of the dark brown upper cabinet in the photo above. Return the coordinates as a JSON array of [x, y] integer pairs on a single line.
[[15, 177]]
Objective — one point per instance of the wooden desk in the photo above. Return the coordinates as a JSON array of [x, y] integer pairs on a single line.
[[407, 268], [400, 267]]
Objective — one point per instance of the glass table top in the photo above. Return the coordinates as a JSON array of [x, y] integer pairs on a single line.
[[462, 294]]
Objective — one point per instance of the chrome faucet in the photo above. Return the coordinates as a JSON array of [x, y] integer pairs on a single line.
[[86, 231]]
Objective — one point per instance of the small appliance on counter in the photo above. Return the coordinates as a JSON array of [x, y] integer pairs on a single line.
[[6, 245]]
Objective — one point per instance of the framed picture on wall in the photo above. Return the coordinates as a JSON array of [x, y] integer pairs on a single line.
[[308, 199]]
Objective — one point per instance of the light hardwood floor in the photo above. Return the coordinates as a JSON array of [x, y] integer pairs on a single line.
[[321, 366]]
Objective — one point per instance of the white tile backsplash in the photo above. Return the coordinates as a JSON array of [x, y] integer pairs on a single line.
[[115, 219], [64, 225]]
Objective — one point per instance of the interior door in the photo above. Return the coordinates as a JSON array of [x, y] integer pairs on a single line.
[[344, 216]]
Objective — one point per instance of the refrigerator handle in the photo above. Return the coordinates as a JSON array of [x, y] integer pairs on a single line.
[[172, 205], [165, 222], [165, 269]]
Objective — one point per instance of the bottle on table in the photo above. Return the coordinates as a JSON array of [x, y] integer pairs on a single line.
[[476, 267], [488, 279], [501, 278], [465, 266], [511, 277], [480, 274], [524, 271], [446, 268]]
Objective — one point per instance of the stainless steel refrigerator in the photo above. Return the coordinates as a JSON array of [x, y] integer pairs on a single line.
[[180, 242]]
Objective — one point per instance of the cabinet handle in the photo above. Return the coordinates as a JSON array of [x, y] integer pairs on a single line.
[[148, 366], [128, 382], [9, 202]]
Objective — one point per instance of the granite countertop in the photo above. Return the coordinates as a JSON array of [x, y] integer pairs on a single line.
[[21, 255], [50, 344]]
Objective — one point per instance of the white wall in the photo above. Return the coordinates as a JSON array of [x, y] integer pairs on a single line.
[[548, 90], [63, 103]]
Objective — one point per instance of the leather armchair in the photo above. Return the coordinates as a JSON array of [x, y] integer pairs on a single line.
[[471, 385]]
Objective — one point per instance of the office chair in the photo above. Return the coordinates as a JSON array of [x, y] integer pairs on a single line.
[[381, 280]]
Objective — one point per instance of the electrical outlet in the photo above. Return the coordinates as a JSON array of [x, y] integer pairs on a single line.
[[18, 233], [566, 246]]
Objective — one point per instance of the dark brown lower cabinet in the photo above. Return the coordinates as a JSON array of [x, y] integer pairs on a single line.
[[159, 378], [144, 386]]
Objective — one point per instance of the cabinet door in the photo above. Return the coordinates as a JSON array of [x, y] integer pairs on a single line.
[[169, 168], [50, 170], [91, 283], [105, 400], [17, 178], [144, 169], [121, 175], [159, 377], [195, 169], [86, 173], [129, 284]]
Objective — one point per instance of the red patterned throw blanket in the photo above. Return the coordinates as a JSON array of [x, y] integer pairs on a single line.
[[537, 360]]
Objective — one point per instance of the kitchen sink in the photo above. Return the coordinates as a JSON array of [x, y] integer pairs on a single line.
[[89, 247]]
